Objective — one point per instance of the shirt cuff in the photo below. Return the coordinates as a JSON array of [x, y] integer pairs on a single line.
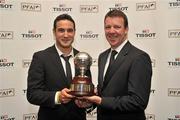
[[57, 98]]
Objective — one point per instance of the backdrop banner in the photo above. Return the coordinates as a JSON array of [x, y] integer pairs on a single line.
[[26, 27]]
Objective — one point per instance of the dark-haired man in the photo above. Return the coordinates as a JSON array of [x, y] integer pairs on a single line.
[[48, 81]]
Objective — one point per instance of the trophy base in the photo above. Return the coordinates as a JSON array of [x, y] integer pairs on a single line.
[[81, 89]]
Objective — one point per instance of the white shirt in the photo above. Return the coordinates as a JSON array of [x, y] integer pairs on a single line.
[[118, 49], [71, 61]]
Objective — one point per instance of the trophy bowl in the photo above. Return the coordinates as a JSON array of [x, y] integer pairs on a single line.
[[81, 85]]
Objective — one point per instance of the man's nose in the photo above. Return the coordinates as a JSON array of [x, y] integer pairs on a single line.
[[112, 30], [65, 33]]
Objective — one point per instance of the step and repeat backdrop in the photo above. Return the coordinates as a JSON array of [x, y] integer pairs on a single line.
[[26, 27]]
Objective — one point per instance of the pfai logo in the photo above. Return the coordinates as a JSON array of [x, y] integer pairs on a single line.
[[31, 7], [7, 92], [150, 117], [174, 92], [31, 116], [26, 63], [89, 8], [6, 117], [144, 6], [6, 34], [174, 33]]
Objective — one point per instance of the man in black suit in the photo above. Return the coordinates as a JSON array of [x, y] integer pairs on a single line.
[[47, 81], [124, 80]]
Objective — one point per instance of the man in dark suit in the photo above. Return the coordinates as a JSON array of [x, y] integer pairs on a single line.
[[47, 77], [124, 78]]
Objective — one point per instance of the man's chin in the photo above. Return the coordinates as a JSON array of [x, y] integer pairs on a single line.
[[67, 46]]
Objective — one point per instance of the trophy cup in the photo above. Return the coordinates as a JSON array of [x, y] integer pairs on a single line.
[[81, 85]]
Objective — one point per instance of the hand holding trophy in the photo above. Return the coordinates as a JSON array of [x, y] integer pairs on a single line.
[[82, 85]]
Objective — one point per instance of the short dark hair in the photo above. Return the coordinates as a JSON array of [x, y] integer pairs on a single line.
[[63, 17], [117, 13]]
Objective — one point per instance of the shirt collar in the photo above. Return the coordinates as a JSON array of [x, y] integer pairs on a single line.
[[118, 49], [61, 53]]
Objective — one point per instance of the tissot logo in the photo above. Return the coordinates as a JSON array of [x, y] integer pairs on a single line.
[[4, 5], [153, 62], [174, 4], [62, 8], [92, 114], [2, 1], [89, 35], [31, 116], [6, 117], [174, 92], [26, 63], [175, 33], [24, 91], [32, 34], [6, 34], [89, 8], [31, 7], [176, 117], [152, 91], [146, 6], [150, 117], [146, 33], [95, 62], [119, 6], [7, 92], [4, 63], [175, 63]]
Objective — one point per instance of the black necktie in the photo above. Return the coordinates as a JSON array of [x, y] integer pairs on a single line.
[[113, 53], [68, 67]]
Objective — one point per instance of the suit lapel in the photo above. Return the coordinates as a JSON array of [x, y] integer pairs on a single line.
[[117, 63], [58, 65], [76, 70], [102, 63]]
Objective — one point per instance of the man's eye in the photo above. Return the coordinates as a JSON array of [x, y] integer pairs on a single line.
[[70, 30], [117, 27], [107, 27], [61, 30]]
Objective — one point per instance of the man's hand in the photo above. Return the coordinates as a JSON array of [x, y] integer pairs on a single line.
[[64, 96], [94, 99], [82, 103]]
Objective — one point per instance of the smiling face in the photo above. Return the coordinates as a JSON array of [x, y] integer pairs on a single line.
[[115, 31], [64, 34]]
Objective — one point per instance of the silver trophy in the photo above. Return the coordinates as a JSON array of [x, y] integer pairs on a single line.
[[82, 85]]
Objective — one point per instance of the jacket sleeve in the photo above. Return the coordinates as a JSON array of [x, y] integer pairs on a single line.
[[36, 90]]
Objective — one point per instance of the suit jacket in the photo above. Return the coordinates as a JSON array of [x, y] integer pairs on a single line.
[[126, 93], [46, 76]]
